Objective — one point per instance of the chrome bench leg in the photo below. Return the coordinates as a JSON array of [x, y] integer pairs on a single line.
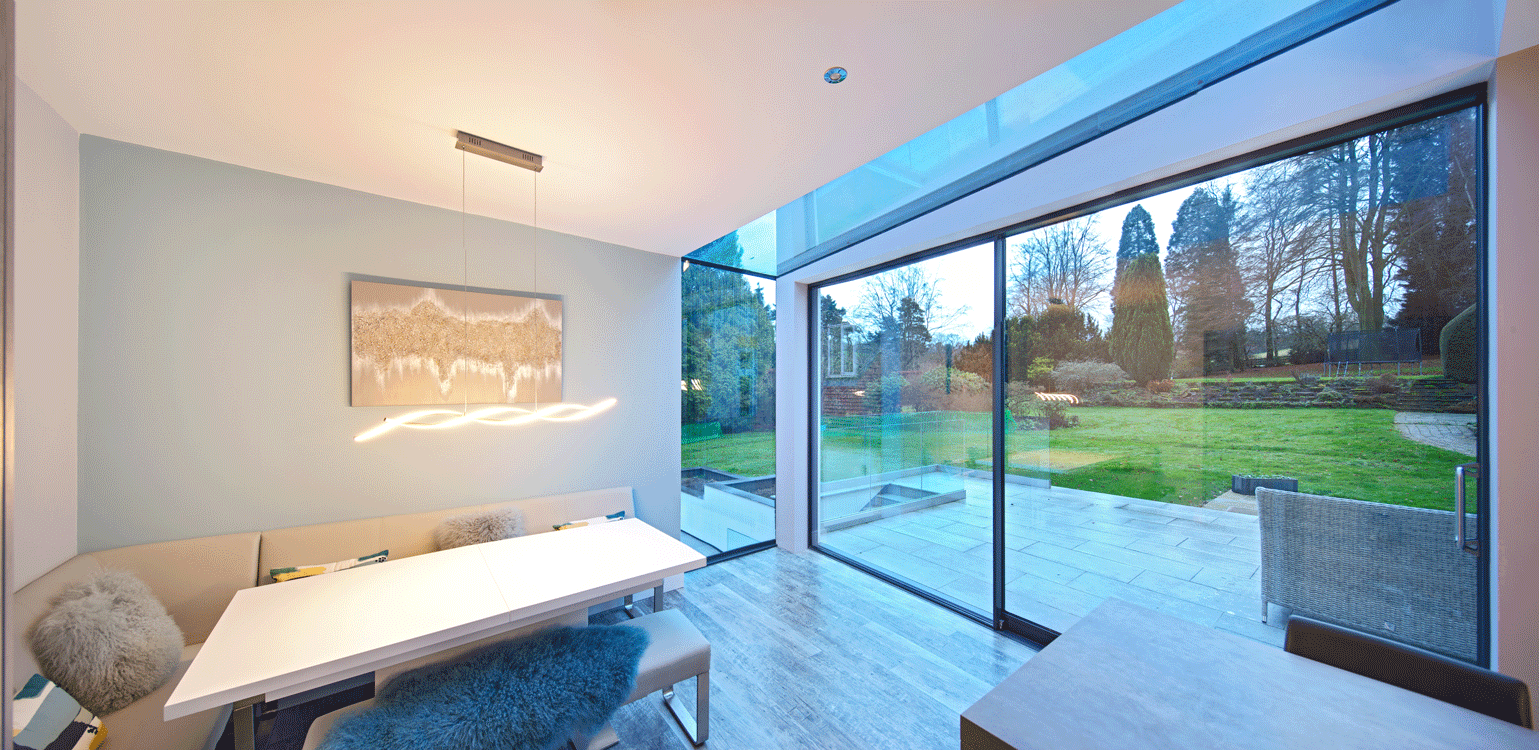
[[699, 730], [630, 606]]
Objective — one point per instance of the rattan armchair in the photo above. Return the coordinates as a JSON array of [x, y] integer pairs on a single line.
[[1389, 570]]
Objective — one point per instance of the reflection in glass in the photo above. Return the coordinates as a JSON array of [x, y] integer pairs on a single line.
[[906, 424], [1291, 326], [1308, 326], [727, 482]]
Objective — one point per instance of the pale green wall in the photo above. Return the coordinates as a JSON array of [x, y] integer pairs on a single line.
[[214, 364]]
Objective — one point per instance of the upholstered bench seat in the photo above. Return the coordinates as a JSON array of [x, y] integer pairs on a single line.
[[676, 652], [197, 578]]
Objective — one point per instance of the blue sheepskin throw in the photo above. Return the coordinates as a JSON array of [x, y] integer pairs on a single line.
[[532, 693]]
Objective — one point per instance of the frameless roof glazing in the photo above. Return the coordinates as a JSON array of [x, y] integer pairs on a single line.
[[1170, 56]]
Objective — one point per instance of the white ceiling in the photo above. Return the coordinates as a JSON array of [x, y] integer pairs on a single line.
[[663, 124]]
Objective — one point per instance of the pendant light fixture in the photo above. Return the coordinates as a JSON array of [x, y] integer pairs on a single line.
[[438, 419]]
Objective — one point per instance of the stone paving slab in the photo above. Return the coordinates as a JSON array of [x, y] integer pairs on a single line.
[[1069, 549], [1234, 502], [1447, 431]]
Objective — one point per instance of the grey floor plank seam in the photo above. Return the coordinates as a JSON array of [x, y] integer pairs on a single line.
[[808, 652]]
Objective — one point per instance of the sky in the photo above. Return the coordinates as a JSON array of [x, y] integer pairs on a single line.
[[967, 275]]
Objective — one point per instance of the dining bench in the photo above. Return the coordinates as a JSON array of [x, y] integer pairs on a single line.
[[676, 652], [196, 579]]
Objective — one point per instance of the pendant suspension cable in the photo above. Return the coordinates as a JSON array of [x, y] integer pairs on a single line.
[[436, 419], [464, 285]]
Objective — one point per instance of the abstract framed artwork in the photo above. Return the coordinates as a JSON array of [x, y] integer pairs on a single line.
[[421, 345]]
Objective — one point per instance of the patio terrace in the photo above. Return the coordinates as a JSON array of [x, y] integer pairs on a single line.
[[1069, 549]]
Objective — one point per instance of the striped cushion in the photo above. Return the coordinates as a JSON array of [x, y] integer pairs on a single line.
[[47, 718], [305, 571], [590, 521]]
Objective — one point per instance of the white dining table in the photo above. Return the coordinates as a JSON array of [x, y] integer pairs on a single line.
[[279, 640]]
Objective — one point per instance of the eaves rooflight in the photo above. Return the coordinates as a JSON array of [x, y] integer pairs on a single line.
[[1188, 47]]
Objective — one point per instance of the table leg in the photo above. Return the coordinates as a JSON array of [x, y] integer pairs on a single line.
[[630, 606], [243, 719], [657, 598]]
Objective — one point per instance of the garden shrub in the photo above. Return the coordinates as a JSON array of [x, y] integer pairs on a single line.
[[1048, 415], [1373, 399], [1306, 379], [1041, 371], [1161, 386], [926, 398], [1383, 384], [1056, 414], [1460, 344], [1024, 409], [976, 454], [884, 396], [1084, 378], [1020, 397], [969, 392], [961, 381]]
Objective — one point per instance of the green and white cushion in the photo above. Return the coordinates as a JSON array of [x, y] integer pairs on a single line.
[[590, 521], [305, 571], [47, 718]]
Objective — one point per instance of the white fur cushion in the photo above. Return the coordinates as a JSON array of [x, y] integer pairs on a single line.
[[107, 641], [478, 527]]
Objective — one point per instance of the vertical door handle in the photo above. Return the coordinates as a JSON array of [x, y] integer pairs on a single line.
[[1460, 537]]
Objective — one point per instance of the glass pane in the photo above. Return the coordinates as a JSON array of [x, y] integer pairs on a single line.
[[905, 424], [728, 388], [1152, 64], [1305, 326]]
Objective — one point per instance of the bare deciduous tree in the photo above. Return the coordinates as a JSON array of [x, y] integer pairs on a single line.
[[1279, 236], [1066, 261], [882, 296]]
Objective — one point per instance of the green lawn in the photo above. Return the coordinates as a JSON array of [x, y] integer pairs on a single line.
[[1171, 455], [748, 454]]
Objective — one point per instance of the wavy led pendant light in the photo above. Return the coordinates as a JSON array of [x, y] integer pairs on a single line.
[[502, 416], [437, 419]]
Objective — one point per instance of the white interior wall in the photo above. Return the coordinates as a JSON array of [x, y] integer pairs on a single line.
[[47, 258], [215, 365], [1514, 360], [792, 352], [1407, 52]]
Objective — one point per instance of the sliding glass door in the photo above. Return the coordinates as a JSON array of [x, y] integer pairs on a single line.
[[1230, 400], [906, 424]]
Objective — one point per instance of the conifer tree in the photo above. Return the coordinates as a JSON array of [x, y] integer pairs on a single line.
[[1205, 280], [1137, 239], [1141, 340]]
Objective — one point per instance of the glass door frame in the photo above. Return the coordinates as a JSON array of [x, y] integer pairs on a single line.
[[1474, 96]]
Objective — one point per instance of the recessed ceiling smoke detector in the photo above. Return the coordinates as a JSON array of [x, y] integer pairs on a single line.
[[835, 74]]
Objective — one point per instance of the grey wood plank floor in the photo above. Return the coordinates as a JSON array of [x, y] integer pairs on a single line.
[[807, 652]]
